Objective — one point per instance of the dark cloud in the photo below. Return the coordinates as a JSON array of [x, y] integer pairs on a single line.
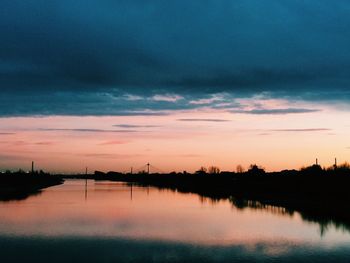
[[12, 157], [64, 58], [21, 143], [202, 120], [302, 130], [276, 111], [15, 143], [113, 143], [88, 130], [132, 126], [111, 156], [46, 143], [264, 134]]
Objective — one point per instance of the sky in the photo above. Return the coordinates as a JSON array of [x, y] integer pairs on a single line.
[[180, 84]]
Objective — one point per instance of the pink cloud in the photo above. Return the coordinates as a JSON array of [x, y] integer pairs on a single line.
[[44, 143], [113, 142]]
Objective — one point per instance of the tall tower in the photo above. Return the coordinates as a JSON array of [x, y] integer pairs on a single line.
[[148, 165], [32, 167]]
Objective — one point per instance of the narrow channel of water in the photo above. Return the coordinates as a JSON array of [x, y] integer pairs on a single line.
[[110, 222]]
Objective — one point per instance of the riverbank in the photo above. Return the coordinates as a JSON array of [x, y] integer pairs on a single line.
[[318, 195], [18, 186], [321, 198]]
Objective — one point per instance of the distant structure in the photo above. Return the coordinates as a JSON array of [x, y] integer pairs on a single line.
[[145, 169], [335, 163], [32, 167], [316, 161]]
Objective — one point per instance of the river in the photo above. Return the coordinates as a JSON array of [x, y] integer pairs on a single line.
[[101, 221]]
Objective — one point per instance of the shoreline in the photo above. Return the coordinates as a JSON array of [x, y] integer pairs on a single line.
[[322, 197], [18, 186], [317, 198]]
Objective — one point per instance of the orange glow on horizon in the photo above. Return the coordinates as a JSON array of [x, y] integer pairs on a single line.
[[69, 144]]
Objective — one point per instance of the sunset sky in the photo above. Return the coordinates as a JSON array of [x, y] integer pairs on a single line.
[[180, 84]]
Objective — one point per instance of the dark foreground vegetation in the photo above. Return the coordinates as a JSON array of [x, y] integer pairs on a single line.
[[319, 195], [19, 185]]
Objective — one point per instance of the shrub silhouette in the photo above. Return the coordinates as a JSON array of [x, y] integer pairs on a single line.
[[255, 170]]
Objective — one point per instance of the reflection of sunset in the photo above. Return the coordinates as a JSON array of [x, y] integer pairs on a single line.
[[180, 141], [109, 211]]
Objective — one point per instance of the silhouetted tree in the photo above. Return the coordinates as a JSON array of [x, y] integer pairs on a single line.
[[344, 166], [312, 170], [240, 169], [255, 170], [214, 170], [99, 173], [202, 170], [342, 169]]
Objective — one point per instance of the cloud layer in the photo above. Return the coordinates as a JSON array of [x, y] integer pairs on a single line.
[[144, 57]]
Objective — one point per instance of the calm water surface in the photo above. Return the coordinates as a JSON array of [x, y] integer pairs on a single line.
[[113, 222]]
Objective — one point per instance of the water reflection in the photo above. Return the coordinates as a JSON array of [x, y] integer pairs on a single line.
[[127, 223], [86, 189], [241, 204], [20, 195], [325, 223]]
